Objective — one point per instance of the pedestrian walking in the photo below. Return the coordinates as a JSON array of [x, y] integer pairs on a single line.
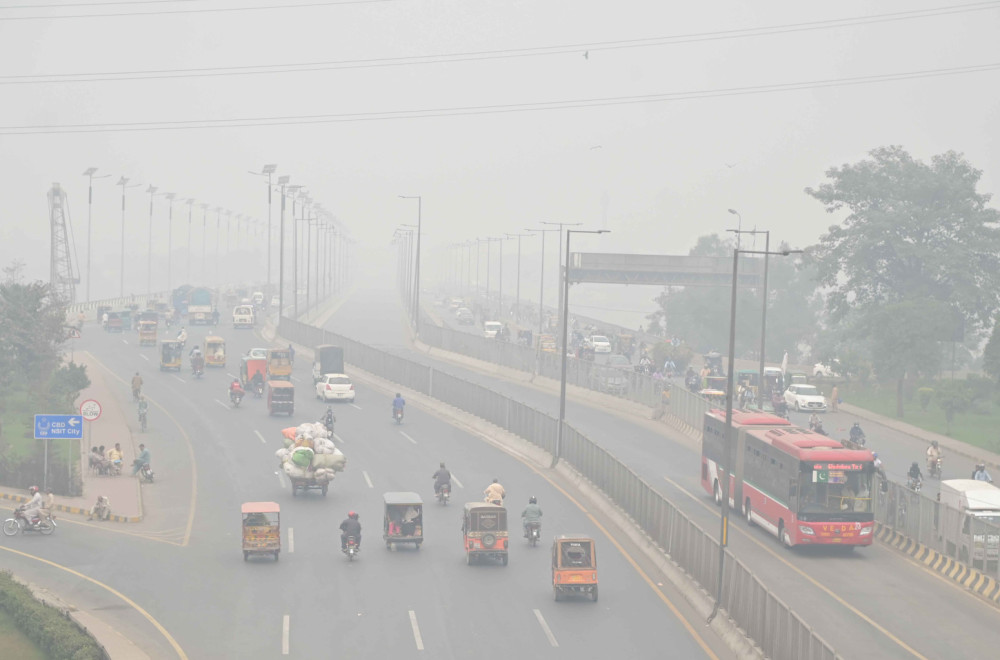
[[834, 400]]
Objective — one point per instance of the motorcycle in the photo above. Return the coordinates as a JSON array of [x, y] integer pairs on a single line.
[[397, 414], [328, 423], [859, 438], [20, 523], [914, 484], [533, 532], [142, 421], [146, 473], [258, 390], [444, 494], [236, 396], [351, 548], [935, 467]]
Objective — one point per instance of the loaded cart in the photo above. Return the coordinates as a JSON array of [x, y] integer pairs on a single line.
[[261, 529]]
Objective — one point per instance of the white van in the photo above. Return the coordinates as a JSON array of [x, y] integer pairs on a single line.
[[970, 521], [243, 316], [491, 329], [258, 298]]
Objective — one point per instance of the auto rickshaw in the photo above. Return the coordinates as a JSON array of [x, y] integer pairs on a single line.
[[261, 529], [250, 367], [215, 351], [171, 351], [404, 519], [126, 316], [484, 527], [548, 344], [147, 333], [279, 364], [280, 397], [114, 322], [574, 566]]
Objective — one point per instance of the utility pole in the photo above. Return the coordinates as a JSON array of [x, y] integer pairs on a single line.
[[561, 266]]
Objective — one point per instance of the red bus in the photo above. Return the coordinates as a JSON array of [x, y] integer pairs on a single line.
[[803, 487]]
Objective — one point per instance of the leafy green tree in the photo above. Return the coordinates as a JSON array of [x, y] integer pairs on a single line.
[[953, 396], [31, 333], [991, 355], [917, 253]]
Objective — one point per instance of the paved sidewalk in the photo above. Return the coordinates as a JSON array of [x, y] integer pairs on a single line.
[[124, 492]]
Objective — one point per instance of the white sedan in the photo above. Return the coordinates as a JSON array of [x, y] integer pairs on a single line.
[[805, 398], [335, 387], [600, 343]]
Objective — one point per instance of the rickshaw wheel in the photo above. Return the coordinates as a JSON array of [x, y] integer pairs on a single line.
[[503, 559], [556, 594], [468, 558], [246, 555], [276, 559], [293, 490], [324, 489], [388, 545], [593, 593]]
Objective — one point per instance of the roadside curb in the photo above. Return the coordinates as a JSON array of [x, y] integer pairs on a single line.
[[21, 499], [965, 575]]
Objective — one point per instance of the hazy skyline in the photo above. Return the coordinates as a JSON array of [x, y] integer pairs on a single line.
[[657, 173]]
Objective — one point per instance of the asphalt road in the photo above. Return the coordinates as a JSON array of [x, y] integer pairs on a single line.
[[868, 603], [183, 565]]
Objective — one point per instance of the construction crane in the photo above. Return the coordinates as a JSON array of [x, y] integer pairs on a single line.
[[63, 279]]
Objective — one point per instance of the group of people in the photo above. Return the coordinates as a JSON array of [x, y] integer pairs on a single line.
[[106, 462]]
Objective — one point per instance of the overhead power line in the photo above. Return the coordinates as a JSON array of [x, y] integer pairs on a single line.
[[595, 46], [204, 10], [289, 120]]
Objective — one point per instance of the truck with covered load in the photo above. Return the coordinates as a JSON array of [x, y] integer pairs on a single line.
[[970, 522]]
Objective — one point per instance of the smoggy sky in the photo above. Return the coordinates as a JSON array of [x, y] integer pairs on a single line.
[[658, 173]]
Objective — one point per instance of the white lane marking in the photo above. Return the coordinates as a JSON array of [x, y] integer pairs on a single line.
[[368, 479], [285, 623], [457, 482], [402, 433], [261, 437], [281, 482], [178, 378], [233, 376], [337, 438], [545, 628], [416, 631], [291, 540], [143, 356], [353, 405], [125, 341], [221, 404]]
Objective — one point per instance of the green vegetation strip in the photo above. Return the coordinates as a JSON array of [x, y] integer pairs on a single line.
[[52, 631], [16, 644]]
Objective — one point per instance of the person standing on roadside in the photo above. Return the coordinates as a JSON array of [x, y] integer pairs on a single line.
[[834, 400]]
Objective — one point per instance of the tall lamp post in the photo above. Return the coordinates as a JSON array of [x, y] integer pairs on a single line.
[[149, 251], [283, 183], [763, 312], [123, 182], [565, 333], [416, 269], [517, 296], [268, 171], [725, 470], [170, 235], [541, 293], [561, 225], [190, 202], [89, 173]]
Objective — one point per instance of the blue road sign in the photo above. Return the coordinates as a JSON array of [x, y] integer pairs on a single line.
[[58, 426]]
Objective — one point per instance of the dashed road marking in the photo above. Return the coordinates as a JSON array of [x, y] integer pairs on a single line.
[[144, 357], [291, 540], [222, 404], [233, 376], [407, 437], [337, 438], [545, 628], [296, 379], [368, 480], [457, 482], [125, 341], [261, 437], [285, 625], [416, 631], [281, 482], [179, 378], [354, 405]]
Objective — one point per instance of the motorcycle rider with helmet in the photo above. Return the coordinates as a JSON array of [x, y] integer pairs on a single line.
[[441, 477], [933, 454], [329, 419], [532, 514], [914, 474], [350, 527], [857, 435], [32, 509], [980, 473], [235, 389], [397, 405]]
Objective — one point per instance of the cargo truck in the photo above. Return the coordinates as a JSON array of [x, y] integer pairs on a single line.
[[970, 522]]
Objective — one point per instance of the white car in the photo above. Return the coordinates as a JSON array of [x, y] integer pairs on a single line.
[[275, 300], [335, 387], [600, 343], [805, 398], [491, 328], [831, 370], [258, 353]]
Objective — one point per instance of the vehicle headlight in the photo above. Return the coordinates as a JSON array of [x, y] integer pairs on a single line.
[[865, 531], [807, 530]]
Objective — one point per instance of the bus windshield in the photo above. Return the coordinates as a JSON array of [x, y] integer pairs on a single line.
[[834, 494]]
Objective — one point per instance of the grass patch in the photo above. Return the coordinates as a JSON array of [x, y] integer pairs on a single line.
[[974, 428], [17, 427], [15, 644]]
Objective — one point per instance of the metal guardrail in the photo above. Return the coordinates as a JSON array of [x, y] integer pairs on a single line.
[[771, 624], [116, 303]]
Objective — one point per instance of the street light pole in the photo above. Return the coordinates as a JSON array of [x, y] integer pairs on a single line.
[[763, 313], [565, 333], [517, 296], [123, 182], [149, 252], [170, 235], [190, 203], [268, 171], [416, 269], [204, 238], [541, 290], [89, 173], [561, 225]]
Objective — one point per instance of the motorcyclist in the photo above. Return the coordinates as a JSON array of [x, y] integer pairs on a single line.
[[257, 382], [194, 351], [814, 422], [531, 514], [980, 474], [140, 460], [329, 419], [350, 527], [143, 405], [933, 454], [857, 435], [136, 386], [235, 389], [914, 473], [818, 427], [397, 404], [182, 335], [32, 509], [495, 493], [441, 477]]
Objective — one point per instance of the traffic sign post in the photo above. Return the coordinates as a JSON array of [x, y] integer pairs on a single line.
[[56, 426], [91, 411]]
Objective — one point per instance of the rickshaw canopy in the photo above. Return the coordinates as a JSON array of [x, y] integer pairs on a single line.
[[261, 507], [573, 551], [402, 498]]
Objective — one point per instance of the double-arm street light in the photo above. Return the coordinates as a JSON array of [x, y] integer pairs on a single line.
[[541, 292], [190, 202], [565, 335], [268, 171], [416, 269], [89, 173], [561, 225], [149, 251], [170, 235], [517, 296], [123, 182], [727, 468], [763, 313]]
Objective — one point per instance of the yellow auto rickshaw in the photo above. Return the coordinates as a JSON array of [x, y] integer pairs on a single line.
[[280, 397], [484, 527], [147, 333], [404, 519], [574, 566], [171, 351], [279, 364], [215, 351], [261, 529]]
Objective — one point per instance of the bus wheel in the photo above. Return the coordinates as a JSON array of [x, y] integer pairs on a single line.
[[748, 512], [718, 494]]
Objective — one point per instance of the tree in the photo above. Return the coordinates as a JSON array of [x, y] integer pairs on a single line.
[[991, 355], [952, 396], [917, 239], [31, 332]]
